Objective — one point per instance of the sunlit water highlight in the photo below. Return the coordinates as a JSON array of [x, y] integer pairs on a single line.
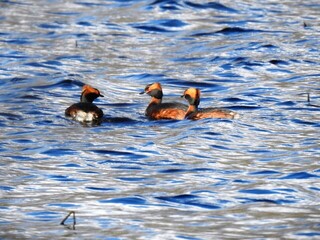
[[130, 178]]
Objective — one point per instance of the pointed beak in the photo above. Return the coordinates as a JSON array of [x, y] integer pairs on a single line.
[[142, 92], [101, 95]]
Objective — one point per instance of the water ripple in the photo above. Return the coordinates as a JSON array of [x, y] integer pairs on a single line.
[[188, 199], [126, 200], [131, 178], [210, 5]]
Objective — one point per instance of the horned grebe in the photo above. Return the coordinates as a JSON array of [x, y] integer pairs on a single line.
[[85, 110], [157, 110], [192, 95]]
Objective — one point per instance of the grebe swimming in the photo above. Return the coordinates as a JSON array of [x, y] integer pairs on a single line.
[[85, 110], [192, 95], [157, 110]]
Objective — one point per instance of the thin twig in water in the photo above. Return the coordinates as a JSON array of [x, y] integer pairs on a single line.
[[74, 219], [309, 100]]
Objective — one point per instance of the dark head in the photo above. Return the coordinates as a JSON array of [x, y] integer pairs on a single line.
[[192, 95], [89, 94], [153, 90]]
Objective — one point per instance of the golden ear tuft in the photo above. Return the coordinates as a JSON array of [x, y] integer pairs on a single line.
[[86, 87], [152, 86], [155, 85], [193, 92]]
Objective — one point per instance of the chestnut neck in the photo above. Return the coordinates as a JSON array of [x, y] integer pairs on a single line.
[[155, 100], [192, 110]]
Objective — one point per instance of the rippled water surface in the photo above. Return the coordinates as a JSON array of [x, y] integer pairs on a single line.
[[130, 178]]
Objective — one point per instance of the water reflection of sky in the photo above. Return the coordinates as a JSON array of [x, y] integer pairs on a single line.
[[131, 178]]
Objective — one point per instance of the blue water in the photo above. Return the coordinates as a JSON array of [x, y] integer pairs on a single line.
[[129, 178]]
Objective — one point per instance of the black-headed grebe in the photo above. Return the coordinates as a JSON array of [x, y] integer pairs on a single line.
[[85, 110], [157, 110], [192, 95]]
